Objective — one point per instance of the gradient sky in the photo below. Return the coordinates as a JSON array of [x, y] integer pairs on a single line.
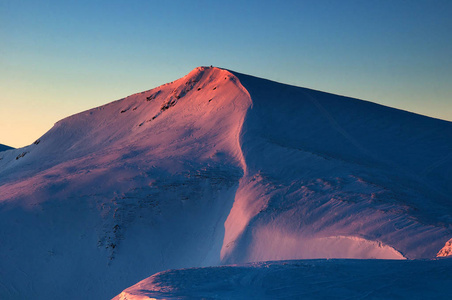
[[58, 58]]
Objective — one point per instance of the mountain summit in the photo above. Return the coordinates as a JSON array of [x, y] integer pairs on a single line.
[[216, 168]]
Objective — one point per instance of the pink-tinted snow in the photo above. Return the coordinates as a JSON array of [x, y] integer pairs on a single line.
[[216, 168]]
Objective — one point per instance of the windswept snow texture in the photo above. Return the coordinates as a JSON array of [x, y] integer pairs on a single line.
[[217, 168], [4, 147], [302, 279], [335, 177]]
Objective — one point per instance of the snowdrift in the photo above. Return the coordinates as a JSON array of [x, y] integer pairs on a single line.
[[217, 168], [304, 279]]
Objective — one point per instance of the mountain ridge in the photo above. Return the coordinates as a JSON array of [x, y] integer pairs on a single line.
[[5, 147]]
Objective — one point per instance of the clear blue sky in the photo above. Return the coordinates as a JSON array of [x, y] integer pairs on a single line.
[[58, 58]]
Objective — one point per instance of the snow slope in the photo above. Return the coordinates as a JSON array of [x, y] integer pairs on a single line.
[[218, 167], [4, 147], [328, 176], [302, 279]]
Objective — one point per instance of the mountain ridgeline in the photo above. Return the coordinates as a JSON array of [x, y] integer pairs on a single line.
[[4, 148]]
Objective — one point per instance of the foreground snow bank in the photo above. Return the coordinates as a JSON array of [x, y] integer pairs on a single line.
[[297, 279]]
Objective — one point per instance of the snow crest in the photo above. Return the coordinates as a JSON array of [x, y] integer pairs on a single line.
[[446, 250], [301, 279]]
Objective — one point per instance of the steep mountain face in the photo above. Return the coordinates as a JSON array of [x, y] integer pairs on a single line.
[[4, 147], [218, 167]]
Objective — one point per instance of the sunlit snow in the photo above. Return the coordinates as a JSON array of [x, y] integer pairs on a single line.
[[219, 168]]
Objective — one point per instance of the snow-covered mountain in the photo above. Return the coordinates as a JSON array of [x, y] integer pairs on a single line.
[[4, 147], [218, 167]]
